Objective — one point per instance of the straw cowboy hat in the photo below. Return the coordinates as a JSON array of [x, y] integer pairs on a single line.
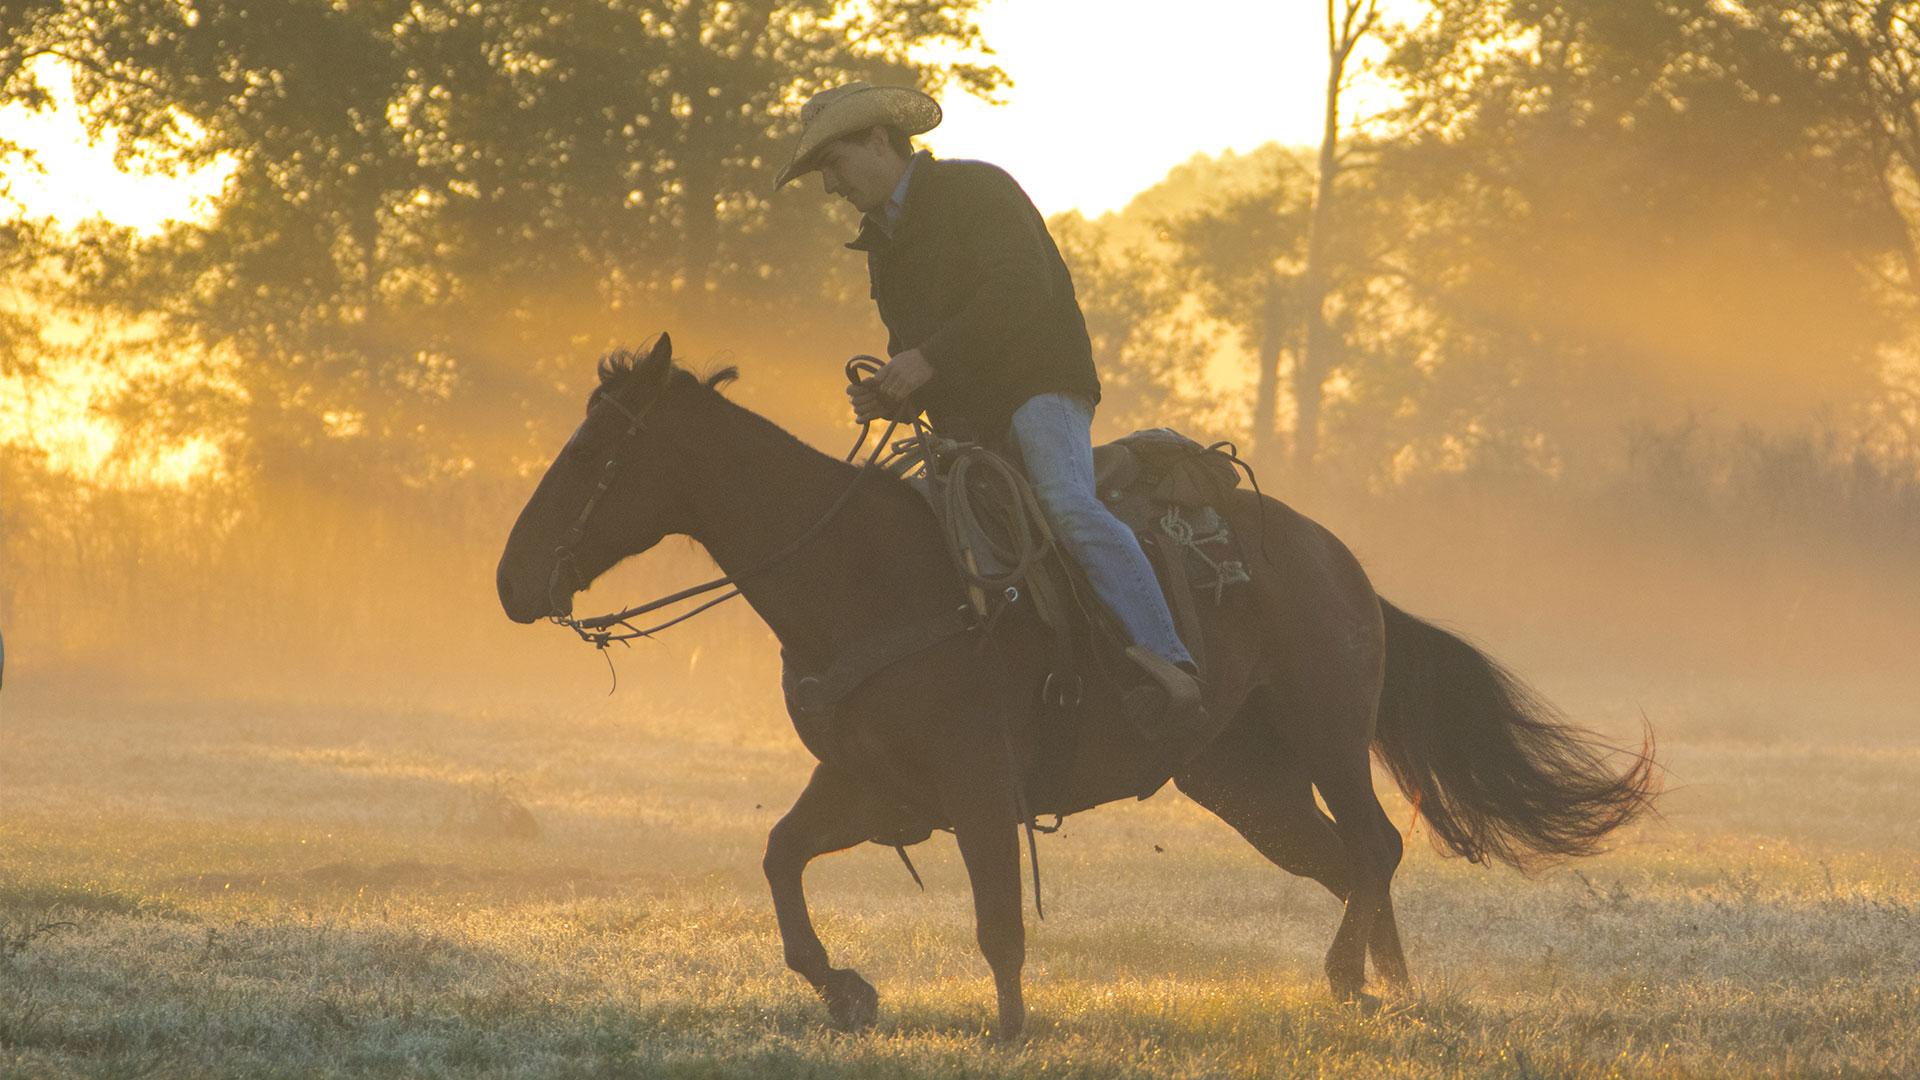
[[855, 107]]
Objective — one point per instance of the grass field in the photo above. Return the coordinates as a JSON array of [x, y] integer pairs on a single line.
[[573, 889]]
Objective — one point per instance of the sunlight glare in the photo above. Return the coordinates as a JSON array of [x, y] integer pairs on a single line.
[[69, 177], [1108, 95]]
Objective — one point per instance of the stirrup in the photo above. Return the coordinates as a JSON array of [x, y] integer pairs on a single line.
[[1180, 709]]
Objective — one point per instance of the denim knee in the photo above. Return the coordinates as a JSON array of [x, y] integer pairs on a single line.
[[1073, 513]]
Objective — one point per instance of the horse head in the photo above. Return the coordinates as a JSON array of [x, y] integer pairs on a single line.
[[611, 493]]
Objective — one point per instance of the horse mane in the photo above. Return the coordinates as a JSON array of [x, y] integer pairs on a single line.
[[618, 365], [615, 366]]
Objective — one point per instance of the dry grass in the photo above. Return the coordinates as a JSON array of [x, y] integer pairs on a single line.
[[572, 890]]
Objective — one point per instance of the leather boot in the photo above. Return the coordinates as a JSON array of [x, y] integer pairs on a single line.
[[1176, 709]]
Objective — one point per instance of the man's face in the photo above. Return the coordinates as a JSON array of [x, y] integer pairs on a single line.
[[862, 169]]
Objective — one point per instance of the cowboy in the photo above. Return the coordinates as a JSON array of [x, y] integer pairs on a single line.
[[986, 336]]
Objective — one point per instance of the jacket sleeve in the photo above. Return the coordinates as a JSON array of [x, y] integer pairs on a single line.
[[1000, 235]]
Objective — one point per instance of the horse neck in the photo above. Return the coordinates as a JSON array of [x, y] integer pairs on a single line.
[[755, 489]]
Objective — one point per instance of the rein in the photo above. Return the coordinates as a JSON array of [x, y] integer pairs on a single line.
[[603, 630]]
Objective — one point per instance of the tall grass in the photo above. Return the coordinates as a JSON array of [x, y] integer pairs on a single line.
[[1818, 487]]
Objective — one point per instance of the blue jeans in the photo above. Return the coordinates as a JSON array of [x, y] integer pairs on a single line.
[[1055, 436]]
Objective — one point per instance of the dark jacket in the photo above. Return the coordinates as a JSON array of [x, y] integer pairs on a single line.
[[971, 278]]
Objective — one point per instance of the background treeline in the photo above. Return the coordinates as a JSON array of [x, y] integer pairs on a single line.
[[1615, 276]]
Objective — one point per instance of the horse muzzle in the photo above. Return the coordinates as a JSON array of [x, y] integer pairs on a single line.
[[526, 604]]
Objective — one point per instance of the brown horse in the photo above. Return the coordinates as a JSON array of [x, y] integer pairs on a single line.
[[1309, 670]]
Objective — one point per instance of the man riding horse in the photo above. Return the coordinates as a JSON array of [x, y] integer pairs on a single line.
[[986, 336], [1310, 674]]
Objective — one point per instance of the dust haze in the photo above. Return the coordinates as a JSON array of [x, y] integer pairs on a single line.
[[1607, 357]]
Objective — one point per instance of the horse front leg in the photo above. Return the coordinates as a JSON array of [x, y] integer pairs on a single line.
[[827, 817], [980, 801]]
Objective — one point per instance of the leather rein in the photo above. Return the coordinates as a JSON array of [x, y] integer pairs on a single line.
[[603, 630]]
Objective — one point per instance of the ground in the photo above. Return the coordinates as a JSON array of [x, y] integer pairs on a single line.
[[208, 888]]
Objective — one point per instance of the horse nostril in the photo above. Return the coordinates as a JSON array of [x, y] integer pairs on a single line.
[[506, 589]]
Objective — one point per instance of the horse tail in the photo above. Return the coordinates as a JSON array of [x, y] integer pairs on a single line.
[[1494, 768]]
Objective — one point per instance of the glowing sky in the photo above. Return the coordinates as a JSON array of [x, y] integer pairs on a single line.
[[1108, 95], [74, 179]]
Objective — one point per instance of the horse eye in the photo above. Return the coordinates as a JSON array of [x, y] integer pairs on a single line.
[[576, 454]]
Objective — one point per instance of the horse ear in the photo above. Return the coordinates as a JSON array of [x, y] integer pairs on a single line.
[[661, 357]]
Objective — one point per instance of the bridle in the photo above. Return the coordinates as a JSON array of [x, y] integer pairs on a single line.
[[600, 630], [563, 554]]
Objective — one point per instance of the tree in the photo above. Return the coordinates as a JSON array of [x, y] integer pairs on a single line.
[[1244, 249], [1620, 202], [1356, 19], [1874, 48], [19, 263], [440, 210], [1201, 273]]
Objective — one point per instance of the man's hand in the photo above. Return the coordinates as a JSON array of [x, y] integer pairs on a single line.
[[868, 405], [903, 375], [886, 393]]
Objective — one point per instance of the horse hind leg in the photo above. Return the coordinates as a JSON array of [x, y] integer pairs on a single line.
[[1261, 786], [1247, 780], [1373, 849], [827, 817], [1389, 958]]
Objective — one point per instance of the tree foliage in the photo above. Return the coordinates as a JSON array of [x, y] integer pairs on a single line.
[[1618, 202], [433, 201], [1873, 48], [1587, 214]]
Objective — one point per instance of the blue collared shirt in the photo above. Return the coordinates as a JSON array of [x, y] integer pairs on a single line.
[[887, 218]]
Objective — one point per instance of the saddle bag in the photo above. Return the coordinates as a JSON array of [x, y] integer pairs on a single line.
[[1166, 467]]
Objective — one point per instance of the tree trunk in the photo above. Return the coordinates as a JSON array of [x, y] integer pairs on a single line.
[[1273, 337], [1318, 357]]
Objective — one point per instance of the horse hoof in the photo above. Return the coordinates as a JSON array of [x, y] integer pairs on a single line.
[[851, 1000], [1368, 1003]]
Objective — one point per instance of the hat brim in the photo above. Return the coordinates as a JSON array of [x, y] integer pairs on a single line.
[[909, 111]]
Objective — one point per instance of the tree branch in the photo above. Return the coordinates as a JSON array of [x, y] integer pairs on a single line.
[[102, 70]]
